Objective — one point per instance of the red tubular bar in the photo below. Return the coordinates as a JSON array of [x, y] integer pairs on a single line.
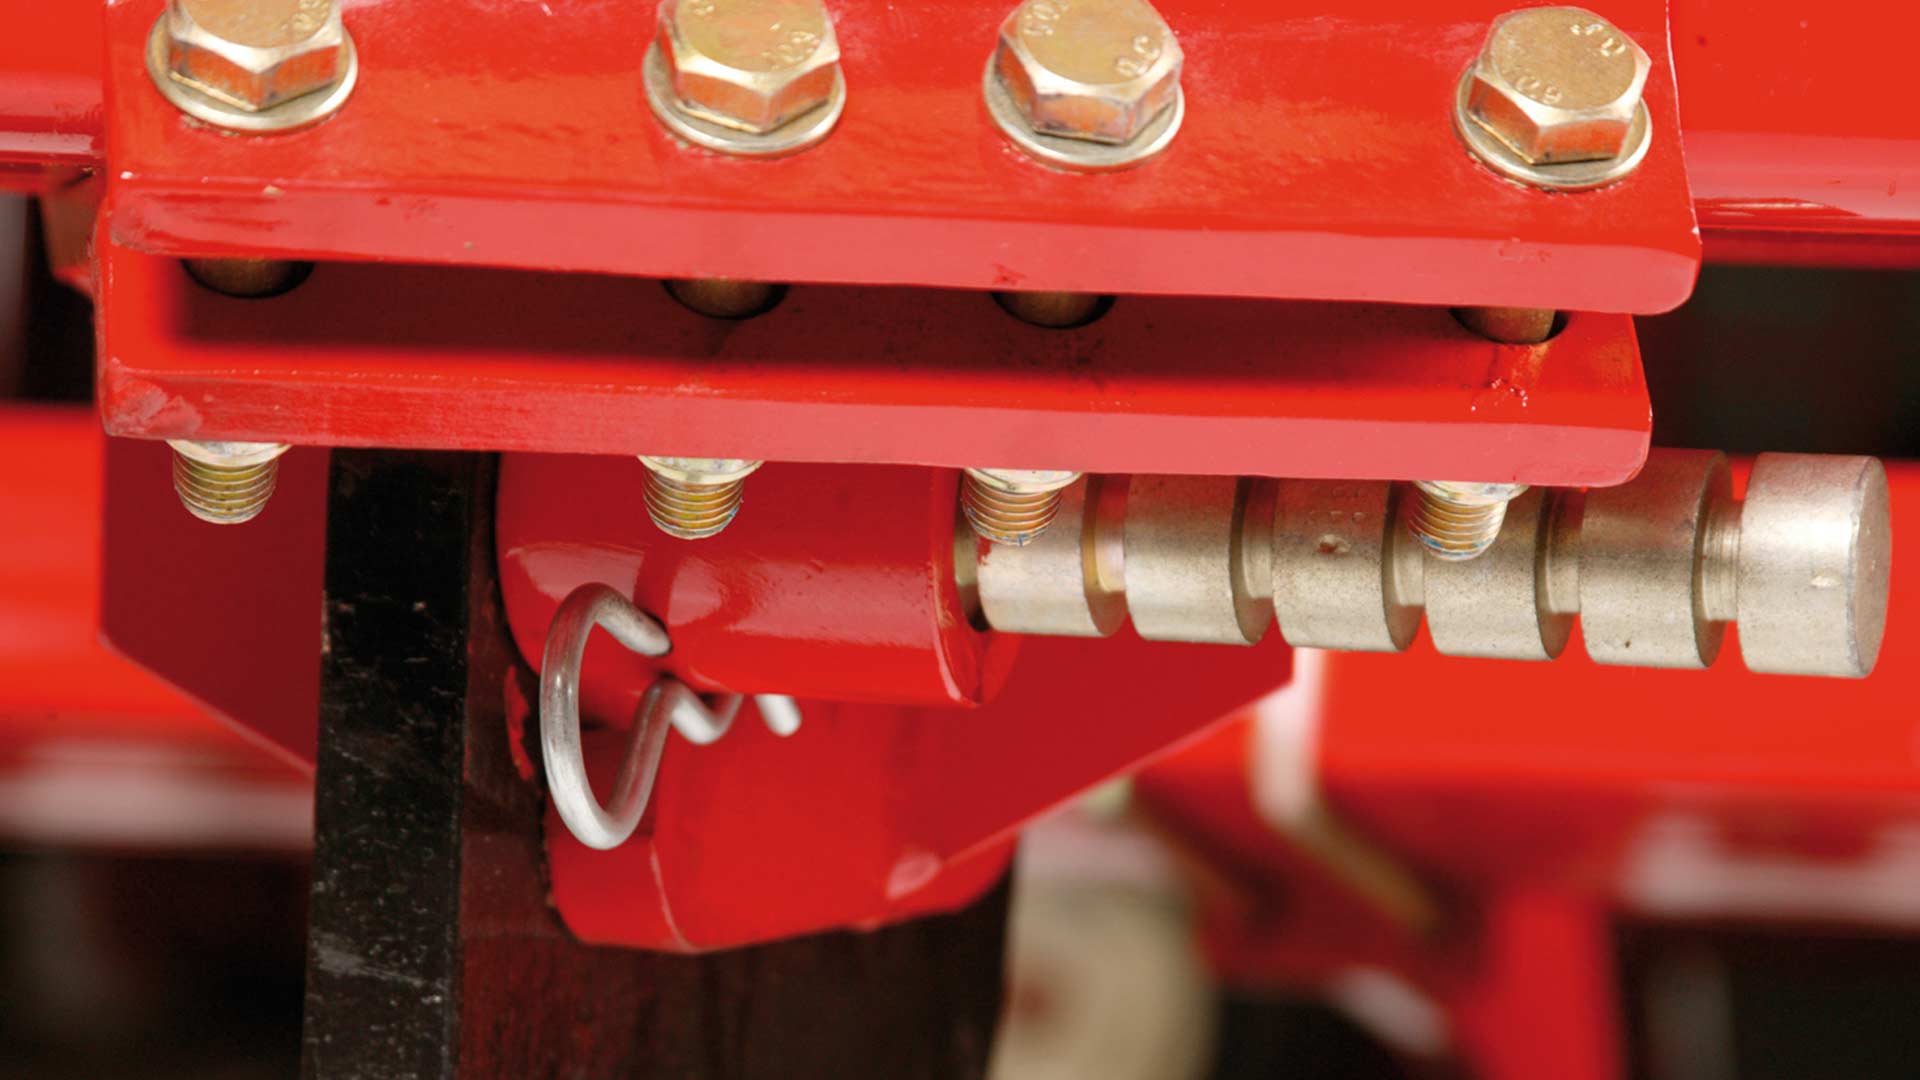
[[1800, 144], [51, 89]]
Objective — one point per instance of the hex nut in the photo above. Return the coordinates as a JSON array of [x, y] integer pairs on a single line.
[[1557, 85], [255, 54], [750, 65], [1098, 70]]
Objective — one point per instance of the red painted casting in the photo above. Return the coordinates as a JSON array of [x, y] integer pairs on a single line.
[[833, 582], [872, 814]]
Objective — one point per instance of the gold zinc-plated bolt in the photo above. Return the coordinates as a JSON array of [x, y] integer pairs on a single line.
[[1554, 99], [1013, 506], [253, 65], [750, 77], [694, 498], [1457, 521], [720, 298], [248, 279], [1086, 84], [1054, 310], [225, 483], [1509, 325]]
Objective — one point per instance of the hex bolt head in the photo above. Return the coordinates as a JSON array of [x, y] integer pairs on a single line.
[[255, 54], [1557, 85], [750, 65], [1098, 70]]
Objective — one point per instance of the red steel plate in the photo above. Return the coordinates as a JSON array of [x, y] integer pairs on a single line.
[[1317, 161], [496, 360]]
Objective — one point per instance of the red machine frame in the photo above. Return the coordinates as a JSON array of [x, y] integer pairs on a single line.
[[1534, 801]]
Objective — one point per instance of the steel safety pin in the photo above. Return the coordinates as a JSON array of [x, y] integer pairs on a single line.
[[668, 703]]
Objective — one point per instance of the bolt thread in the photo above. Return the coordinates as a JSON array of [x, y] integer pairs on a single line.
[[1005, 517], [224, 494], [1455, 531], [692, 511]]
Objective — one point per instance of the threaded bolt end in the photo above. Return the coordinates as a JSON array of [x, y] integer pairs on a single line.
[[1457, 522], [692, 510], [225, 483], [1010, 506]]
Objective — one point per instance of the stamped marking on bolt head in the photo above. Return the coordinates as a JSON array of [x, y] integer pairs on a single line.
[[754, 35], [1563, 57], [1097, 73], [1554, 99], [1098, 42], [259, 24]]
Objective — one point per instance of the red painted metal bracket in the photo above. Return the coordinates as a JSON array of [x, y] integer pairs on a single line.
[[60, 679], [833, 582], [1317, 161], [231, 617], [497, 360], [872, 814]]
